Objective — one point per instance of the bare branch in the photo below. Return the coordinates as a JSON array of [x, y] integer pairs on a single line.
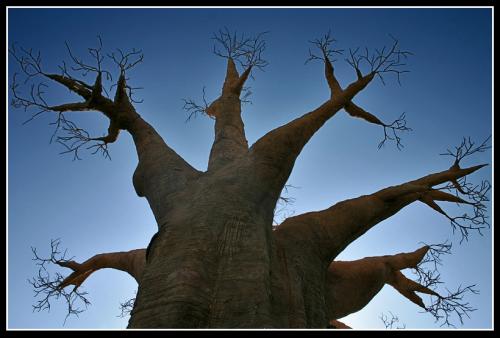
[[354, 59], [430, 277], [323, 44], [246, 93], [75, 138], [130, 91], [466, 148], [30, 64], [85, 68], [382, 61], [396, 126], [475, 195], [127, 307], [194, 109], [127, 60], [281, 211], [247, 51], [46, 286], [390, 322], [475, 221], [49, 287], [442, 308]]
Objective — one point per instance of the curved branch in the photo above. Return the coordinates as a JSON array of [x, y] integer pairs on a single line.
[[48, 285], [132, 262]]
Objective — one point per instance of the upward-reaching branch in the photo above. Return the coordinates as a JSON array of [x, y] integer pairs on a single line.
[[122, 115], [277, 150], [381, 62], [230, 142]]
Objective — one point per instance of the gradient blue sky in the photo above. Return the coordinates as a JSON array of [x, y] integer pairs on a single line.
[[91, 204]]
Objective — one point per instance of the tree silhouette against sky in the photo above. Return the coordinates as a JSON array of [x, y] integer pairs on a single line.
[[218, 259]]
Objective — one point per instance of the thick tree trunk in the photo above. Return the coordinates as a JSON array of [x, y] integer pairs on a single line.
[[211, 263]]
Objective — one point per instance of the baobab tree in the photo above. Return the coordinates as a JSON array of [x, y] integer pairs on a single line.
[[217, 260]]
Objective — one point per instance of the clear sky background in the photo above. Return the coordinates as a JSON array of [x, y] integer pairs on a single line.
[[91, 204]]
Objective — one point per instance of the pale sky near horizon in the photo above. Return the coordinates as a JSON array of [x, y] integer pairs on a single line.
[[92, 206]]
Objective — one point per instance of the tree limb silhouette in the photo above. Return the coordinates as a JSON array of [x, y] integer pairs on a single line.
[[339, 225], [49, 285]]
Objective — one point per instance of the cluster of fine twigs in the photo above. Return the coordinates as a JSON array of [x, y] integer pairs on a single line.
[[46, 284], [452, 304], [379, 63], [474, 195]]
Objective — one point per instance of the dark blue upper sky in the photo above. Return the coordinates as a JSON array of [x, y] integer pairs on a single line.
[[91, 204]]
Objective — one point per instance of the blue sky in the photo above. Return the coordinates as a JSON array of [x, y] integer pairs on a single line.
[[91, 204]]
